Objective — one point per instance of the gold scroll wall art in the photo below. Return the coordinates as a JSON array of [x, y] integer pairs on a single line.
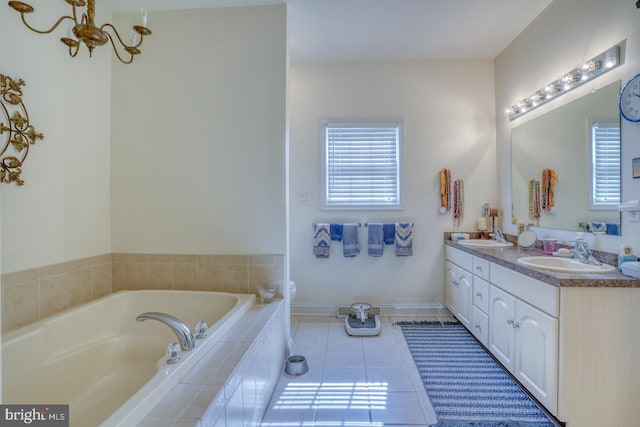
[[16, 132]]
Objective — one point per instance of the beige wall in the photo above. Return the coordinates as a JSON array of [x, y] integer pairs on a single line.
[[566, 34], [448, 113], [62, 211], [198, 147]]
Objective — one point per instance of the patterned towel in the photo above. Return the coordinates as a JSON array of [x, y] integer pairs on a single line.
[[375, 239], [321, 240], [404, 238], [350, 244]]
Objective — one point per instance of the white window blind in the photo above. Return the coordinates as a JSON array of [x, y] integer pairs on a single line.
[[605, 157], [362, 164]]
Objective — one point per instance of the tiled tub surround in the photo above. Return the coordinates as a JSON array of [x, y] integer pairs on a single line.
[[231, 386], [570, 339], [34, 294]]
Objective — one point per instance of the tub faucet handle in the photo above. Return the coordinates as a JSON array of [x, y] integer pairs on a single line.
[[201, 329], [173, 353]]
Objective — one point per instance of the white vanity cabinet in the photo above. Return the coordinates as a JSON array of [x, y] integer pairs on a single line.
[[467, 294], [513, 315], [524, 339], [458, 289]]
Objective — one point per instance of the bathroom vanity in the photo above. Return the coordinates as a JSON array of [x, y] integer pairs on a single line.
[[571, 340]]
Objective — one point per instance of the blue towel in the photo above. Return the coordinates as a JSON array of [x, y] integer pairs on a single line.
[[613, 228], [336, 232], [375, 239], [389, 231], [404, 238], [597, 227], [321, 240], [350, 245]]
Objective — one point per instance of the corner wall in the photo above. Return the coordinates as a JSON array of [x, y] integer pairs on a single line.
[[448, 113], [566, 34]]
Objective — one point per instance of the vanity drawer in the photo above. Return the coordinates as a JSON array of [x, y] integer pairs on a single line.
[[481, 294], [537, 293], [459, 258], [480, 326], [481, 267]]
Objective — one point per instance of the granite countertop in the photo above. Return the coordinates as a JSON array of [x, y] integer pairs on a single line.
[[507, 257]]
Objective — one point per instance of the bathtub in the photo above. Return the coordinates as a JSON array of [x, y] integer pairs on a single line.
[[108, 367]]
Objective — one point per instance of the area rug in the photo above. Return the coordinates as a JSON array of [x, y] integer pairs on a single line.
[[467, 388]]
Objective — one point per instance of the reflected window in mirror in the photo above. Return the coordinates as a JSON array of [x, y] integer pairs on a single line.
[[605, 164], [561, 139]]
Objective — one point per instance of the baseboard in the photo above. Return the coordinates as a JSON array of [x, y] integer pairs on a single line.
[[380, 309]]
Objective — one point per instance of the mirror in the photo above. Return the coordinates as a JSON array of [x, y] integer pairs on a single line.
[[561, 141]]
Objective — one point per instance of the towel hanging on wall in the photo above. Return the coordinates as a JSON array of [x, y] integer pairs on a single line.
[[321, 240], [445, 191], [534, 200], [458, 202], [350, 243], [375, 239], [404, 238]]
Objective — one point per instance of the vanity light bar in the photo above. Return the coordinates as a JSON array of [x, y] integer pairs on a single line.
[[591, 69]]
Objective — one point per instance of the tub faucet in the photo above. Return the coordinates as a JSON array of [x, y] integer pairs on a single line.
[[182, 331]]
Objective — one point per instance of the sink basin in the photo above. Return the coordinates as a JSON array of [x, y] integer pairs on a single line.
[[482, 243], [564, 265]]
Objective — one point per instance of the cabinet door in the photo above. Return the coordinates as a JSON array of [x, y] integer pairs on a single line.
[[464, 303], [501, 330], [535, 362], [451, 287]]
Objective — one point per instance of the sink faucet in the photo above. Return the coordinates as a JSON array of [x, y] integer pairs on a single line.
[[497, 234], [582, 253], [182, 331]]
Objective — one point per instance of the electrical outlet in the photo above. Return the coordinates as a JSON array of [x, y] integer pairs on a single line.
[[304, 196], [634, 216]]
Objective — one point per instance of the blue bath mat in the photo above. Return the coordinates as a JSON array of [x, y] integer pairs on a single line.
[[467, 388]]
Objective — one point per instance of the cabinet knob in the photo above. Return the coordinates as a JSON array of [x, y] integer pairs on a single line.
[[479, 268], [479, 295], [455, 283], [510, 322], [516, 324], [476, 325]]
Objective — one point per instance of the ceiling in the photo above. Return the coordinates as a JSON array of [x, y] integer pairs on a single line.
[[360, 30]]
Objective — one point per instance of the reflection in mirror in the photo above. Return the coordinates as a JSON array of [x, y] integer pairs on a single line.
[[586, 191]]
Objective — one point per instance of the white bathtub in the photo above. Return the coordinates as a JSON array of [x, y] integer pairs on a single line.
[[108, 367]]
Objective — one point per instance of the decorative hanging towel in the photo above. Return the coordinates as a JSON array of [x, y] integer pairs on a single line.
[[445, 191], [404, 238], [321, 240], [549, 179], [534, 200], [458, 202]]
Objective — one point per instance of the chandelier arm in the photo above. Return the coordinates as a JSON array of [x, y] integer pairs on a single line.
[[117, 35], [50, 29], [75, 52], [115, 50]]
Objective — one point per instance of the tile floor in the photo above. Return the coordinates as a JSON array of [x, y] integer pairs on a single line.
[[352, 381]]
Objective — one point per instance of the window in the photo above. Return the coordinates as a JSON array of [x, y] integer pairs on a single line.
[[362, 164], [605, 164]]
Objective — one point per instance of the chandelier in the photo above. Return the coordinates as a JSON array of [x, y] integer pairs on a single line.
[[84, 30]]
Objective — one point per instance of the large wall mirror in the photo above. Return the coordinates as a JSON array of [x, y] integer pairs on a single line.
[[580, 142]]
